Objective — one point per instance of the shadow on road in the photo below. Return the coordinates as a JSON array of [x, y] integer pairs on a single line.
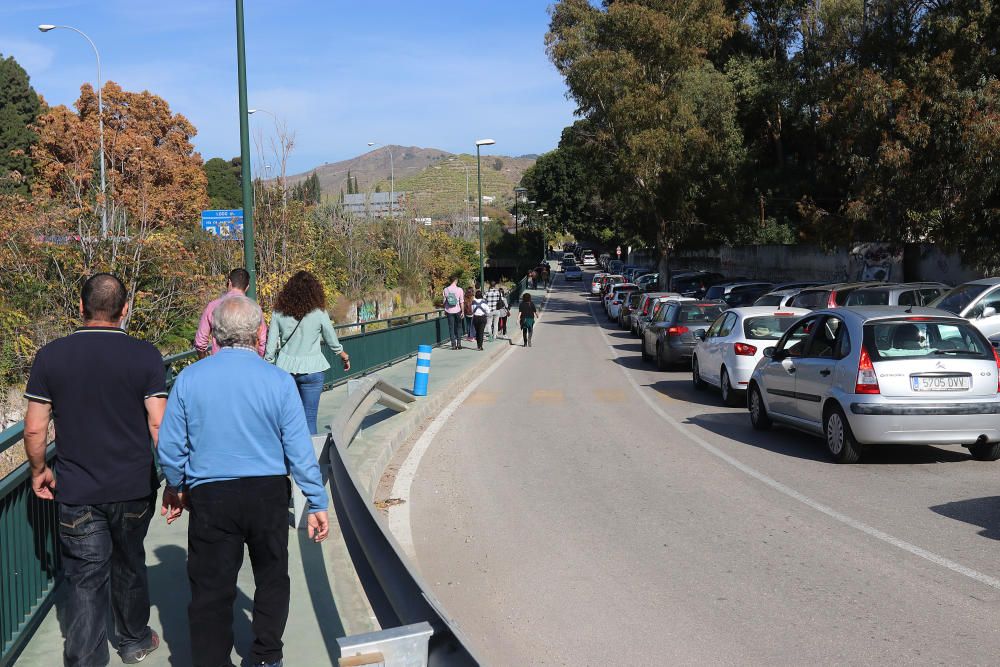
[[982, 512]]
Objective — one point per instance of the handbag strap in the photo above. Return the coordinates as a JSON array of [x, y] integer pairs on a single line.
[[282, 343]]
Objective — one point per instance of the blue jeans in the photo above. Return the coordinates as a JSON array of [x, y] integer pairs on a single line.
[[102, 547], [310, 387], [454, 328]]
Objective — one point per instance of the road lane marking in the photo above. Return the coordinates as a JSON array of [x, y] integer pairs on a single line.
[[482, 398], [399, 515], [871, 531], [609, 395], [547, 396]]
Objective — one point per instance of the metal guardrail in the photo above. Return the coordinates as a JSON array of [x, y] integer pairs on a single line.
[[396, 592], [29, 543]]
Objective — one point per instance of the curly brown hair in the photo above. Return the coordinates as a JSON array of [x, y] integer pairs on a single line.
[[301, 295]]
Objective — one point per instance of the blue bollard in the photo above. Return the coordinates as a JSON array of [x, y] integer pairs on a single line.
[[423, 374]]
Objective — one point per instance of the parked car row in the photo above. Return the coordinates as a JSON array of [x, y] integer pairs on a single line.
[[858, 364]]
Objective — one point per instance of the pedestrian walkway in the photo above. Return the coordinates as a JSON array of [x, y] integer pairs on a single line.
[[327, 601]]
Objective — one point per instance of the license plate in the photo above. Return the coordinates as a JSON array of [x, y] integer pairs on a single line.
[[941, 383]]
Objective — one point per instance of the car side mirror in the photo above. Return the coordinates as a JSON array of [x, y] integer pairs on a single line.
[[769, 352], [701, 334], [988, 311]]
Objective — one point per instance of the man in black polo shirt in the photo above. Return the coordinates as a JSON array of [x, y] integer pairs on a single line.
[[106, 392]]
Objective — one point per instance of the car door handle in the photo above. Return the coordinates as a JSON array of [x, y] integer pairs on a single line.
[[825, 372]]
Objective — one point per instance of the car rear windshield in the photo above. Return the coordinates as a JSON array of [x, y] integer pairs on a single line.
[[767, 327], [768, 300], [698, 313], [812, 299], [956, 300], [868, 297], [914, 338], [633, 299]]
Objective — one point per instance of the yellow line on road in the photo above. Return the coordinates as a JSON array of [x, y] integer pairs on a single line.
[[547, 396], [482, 398], [610, 395]]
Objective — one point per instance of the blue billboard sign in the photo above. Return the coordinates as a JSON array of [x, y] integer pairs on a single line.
[[224, 223]]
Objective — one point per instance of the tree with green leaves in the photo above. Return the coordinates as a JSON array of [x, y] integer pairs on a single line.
[[224, 188], [19, 108]]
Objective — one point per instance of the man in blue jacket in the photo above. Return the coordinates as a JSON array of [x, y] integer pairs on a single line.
[[231, 423]]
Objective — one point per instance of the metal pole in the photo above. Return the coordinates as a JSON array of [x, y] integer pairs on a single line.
[[249, 251], [392, 182], [479, 179]]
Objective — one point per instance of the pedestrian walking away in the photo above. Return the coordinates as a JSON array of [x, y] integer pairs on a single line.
[[498, 305], [232, 432], [299, 325], [106, 392], [546, 276], [470, 293], [453, 300], [528, 314], [480, 313], [237, 283]]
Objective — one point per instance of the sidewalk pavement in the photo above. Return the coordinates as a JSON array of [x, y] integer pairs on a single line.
[[327, 600]]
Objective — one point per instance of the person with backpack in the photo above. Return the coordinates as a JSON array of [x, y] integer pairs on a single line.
[[454, 297], [528, 313], [480, 313]]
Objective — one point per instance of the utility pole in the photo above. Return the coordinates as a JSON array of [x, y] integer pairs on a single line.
[[249, 251]]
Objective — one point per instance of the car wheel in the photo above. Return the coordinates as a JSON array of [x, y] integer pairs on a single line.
[[661, 365], [696, 380], [985, 451], [758, 411], [729, 395], [839, 438]]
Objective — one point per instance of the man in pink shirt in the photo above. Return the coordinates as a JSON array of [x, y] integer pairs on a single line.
[[236, 284], [453, 296]]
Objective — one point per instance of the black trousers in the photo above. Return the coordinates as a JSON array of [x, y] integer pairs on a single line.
[[479, 321], [225, 516]]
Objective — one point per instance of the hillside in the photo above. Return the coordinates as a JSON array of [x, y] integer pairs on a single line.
[[435, 177]]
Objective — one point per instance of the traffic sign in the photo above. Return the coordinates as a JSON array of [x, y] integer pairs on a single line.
[[225, 223], [618, 251]]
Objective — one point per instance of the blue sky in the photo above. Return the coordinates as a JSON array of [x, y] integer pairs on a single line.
[[431, 73]]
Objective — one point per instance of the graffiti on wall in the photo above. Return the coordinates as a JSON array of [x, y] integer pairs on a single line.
[[876, 261], [368, 311]]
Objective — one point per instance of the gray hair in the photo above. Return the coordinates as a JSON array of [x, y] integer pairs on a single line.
[[236, 321]]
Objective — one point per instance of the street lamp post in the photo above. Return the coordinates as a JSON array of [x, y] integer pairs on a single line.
[[249, 248], [45, 27], [518, 193], [479, 180], [392, 173]]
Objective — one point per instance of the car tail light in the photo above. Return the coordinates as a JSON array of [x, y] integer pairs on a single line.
[[783, 314], [867, 380], [832, 302], [996, 355], [677, 331], [744, 349]]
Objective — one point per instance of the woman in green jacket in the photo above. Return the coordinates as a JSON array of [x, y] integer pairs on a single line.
[[299, 324]]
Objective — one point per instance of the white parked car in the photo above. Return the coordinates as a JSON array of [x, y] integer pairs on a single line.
[[728, 351], [867, 375], [596, 283], [978, 301], [618, 296], [589, 260]]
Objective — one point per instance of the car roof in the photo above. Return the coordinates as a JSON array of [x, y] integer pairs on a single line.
[[984, 281], [841, 286], [757, 311], [866, 313], [900, 287], [788, 291]]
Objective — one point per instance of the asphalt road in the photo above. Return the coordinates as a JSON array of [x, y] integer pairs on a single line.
[[581, 508]]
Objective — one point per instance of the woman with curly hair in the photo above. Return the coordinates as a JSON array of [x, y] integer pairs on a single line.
[[299, 324]]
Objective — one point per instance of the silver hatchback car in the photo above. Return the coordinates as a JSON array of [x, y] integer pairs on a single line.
[[869, 375]]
